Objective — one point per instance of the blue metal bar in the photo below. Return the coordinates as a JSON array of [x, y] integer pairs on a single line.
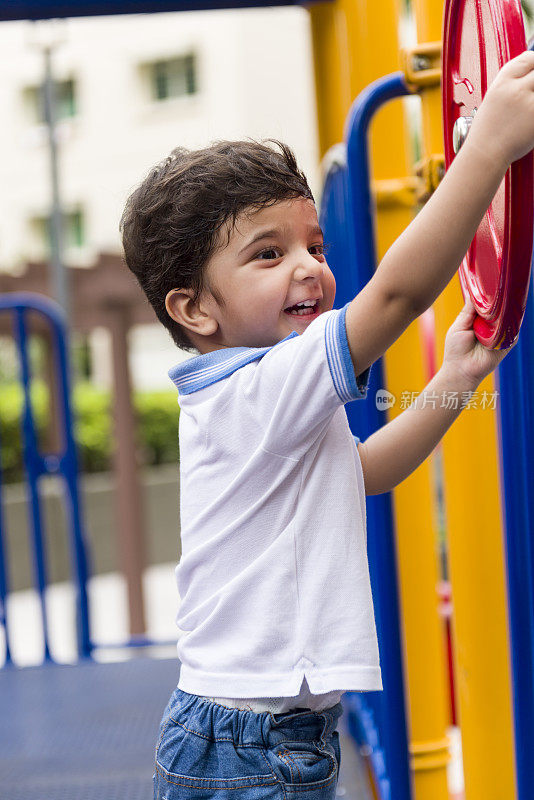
[[33, 472], [69, 466], [515, 383], [336, 222], [47, 9], [137, 640], [390, 705], [384, 709], [368, 102], [4, 581], [64, 463], [363, 726], [526, 350]]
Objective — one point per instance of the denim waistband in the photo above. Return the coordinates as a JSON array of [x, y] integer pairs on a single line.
[[207, 718]]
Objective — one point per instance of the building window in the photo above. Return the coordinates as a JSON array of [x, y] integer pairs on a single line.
[[73, 232], [66, 101], [173, 78]]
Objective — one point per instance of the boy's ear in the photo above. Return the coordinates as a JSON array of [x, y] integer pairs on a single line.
[[195, 317]]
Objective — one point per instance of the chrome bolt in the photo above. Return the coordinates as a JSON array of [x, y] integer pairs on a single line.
[[420, 63], [460, 131]]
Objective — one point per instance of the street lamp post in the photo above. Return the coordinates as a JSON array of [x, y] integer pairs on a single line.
[[61, 291], [47, 36]]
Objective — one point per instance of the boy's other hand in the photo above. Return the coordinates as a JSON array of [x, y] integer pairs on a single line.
[[464, 354], [503, 126]]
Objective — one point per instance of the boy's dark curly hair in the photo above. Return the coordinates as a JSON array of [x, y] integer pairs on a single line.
[[172, 223]]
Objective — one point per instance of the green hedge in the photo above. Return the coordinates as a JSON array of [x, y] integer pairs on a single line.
[[157, 415]]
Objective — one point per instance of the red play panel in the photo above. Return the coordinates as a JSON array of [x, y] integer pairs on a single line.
[[479, 36]]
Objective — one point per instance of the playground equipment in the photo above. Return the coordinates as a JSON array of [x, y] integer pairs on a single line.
[[486, 515], [38, 464], [33, 312], [475, 563], [103, 703], [488, 455], [381, 724], [478, 39]]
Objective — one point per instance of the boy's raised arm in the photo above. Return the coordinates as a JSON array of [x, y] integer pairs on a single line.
[[396, 449], [422, 261]]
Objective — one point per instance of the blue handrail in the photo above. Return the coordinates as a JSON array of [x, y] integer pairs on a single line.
[[36, 465], [515, 384], [53, 9], [4, 580], [64, 464], [348, 219]]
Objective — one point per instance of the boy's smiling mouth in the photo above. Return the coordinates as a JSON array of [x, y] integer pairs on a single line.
[[306, 308]]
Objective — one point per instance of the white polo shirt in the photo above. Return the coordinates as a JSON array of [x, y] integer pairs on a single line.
[[273, 576]]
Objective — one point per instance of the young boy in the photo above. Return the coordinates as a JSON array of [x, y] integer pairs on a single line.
[[276, 608]]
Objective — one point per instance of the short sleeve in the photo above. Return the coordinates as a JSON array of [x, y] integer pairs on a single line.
[[348, 386], [300, 383]]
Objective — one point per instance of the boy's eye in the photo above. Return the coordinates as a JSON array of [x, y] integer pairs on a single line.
[[269, 254]]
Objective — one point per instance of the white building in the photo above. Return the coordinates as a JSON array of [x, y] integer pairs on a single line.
[[130, 89]]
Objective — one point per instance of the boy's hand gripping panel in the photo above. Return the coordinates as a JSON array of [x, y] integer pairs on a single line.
[[479, 37]]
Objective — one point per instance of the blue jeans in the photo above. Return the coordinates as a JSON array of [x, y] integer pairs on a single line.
[[206, 751]]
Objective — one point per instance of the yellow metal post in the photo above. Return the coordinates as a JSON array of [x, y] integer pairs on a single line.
[[332, 71], [355, 43], [475, 539]]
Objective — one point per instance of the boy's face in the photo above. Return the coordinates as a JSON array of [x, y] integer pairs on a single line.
[[274, 259]]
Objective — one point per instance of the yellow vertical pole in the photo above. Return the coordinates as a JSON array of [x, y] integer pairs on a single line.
[[331, 58], [475, 539], [355, 42]]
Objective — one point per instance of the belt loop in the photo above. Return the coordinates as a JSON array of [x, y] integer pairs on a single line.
[[326, 717]]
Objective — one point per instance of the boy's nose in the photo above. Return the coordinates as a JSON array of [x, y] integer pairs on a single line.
[[308, 267]]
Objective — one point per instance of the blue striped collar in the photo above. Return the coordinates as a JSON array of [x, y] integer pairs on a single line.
[[201, 371]]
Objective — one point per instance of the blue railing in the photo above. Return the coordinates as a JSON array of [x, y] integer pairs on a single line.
[[51, 9], [379, 720], [37, 465], [348, 222], [515, 384]]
